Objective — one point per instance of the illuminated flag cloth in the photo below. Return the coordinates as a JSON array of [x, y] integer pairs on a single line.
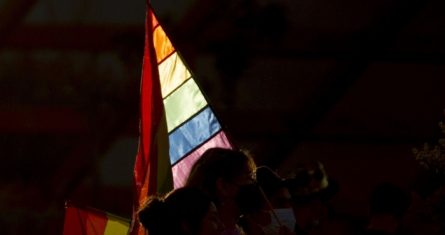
[[85, 221], [191, 124], [177, 123]]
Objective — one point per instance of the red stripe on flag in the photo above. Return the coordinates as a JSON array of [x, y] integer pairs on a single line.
[[152, 113], [78, 221]]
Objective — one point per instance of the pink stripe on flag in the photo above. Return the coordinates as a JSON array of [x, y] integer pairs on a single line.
[[182, 169]]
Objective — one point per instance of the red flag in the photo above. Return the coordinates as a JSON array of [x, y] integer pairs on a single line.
[[152, 172], [88, 221]]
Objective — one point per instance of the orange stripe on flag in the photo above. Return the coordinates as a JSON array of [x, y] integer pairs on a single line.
[[162, 44]]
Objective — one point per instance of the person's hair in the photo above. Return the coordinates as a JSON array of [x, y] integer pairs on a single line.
[[216, 163], [299, 183], [182, 206]]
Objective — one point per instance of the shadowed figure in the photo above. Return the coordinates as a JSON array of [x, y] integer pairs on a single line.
[[222, 174], [185, 211]]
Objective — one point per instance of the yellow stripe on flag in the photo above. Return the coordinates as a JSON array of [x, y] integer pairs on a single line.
[[116, 227], [183, 103], [172, 73]]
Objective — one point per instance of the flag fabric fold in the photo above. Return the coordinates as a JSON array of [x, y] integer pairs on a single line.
[[89, 221], [177, 123]]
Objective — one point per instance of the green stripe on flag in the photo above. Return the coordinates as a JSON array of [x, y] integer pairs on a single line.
[[183, 103]]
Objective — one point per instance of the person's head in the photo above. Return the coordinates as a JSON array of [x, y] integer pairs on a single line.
[[185, 211], [308, 178], [221, 172], [310, 189]]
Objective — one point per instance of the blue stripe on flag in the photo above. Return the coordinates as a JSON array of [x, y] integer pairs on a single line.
[[192, 133]]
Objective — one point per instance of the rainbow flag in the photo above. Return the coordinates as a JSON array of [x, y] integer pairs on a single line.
[[177, 123], [191, 124], [88, 221]]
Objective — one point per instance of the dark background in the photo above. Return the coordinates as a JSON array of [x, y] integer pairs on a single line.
[[355, 84]]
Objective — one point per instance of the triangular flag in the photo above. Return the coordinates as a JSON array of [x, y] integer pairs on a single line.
[[177, 123]]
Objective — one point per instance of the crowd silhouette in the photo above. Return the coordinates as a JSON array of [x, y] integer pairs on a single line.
[[227, 194]]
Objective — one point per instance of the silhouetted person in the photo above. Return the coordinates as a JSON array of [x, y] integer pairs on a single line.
[[266, 206], [185, 211], [310, 189], [255, 212], [276, 190], [222, 173]]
